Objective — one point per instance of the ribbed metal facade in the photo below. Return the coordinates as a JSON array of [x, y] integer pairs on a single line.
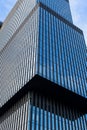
[[37, 112], [20, 11], [16, 118], [43, 45], [38, 38], [61, 53], [18, 58]]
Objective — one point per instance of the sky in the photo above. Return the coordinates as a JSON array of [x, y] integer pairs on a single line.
[[78, 9]]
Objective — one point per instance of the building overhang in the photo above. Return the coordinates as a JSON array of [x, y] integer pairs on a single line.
[[49, 89]]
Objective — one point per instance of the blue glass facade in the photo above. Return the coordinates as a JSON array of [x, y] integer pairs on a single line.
[[59, 50], [37, 112], [59, 6], [39, 38], [22, 9], [48, 114]]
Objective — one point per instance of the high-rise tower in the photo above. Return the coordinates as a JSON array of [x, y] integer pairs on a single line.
[[42, 68]]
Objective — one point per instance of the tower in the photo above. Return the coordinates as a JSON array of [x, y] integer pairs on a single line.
[[43, 68]]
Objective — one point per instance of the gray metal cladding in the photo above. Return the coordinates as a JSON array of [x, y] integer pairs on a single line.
[[18, 14], [16, 118], [21, 11], [37, 40], [43, 45], [18, 59], [36, 112]]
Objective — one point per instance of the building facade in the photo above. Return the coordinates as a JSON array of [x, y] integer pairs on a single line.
[[42, 68]]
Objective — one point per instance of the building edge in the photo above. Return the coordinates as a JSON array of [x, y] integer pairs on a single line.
[[50, 11]]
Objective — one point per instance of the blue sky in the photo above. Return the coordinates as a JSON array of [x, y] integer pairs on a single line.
[[78, 9], [79, 14]]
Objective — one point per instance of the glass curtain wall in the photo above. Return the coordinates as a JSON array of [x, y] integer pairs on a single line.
[[61, 53], [38, 112]]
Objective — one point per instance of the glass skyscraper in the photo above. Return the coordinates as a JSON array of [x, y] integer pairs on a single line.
[[42, 68]]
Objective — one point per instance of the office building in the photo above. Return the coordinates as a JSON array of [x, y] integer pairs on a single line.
[[42, 68]]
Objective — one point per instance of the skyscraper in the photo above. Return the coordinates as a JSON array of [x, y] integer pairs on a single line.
[[42, 68]]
